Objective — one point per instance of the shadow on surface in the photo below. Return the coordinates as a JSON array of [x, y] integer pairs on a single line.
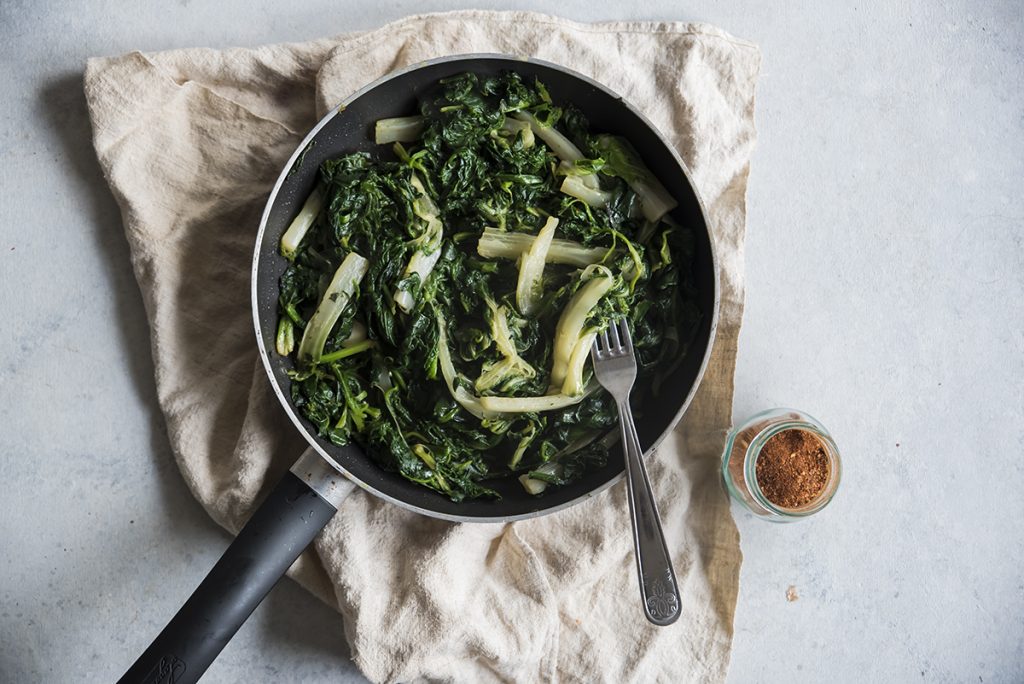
[[296, 622], [62, 106]]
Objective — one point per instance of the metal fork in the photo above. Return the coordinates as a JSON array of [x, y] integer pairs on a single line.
[[615, 369]]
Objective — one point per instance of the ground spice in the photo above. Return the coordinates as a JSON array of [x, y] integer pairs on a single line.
[[792, 468]]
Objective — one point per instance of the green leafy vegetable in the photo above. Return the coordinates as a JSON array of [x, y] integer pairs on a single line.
[[623, 161], [445, 292], [511, 371]]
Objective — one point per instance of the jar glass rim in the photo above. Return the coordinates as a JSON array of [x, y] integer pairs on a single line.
[[809, 424]]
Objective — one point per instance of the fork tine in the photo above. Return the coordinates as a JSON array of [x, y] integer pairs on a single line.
[[615, 336], [627, 339], [603, 337]]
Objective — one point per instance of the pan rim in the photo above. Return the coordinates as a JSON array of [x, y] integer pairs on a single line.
[[285, 402]]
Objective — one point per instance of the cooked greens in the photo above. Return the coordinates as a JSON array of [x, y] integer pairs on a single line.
[[445, 293]]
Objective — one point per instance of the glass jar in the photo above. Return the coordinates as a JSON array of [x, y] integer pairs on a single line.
[[743, 447]]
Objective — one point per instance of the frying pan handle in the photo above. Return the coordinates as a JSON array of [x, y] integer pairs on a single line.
[[293, 513]]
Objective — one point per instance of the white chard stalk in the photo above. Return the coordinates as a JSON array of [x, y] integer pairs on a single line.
[[500, 244], [465, 399], [428, 245], [563, 148], [343, 285], [357, 336], [570, 324], [301, 224], [547, 402], [399, 129], [515, 127], [573, 384], [655, 200], [575, 187], [512, 365], [532, 486], [530, 287]]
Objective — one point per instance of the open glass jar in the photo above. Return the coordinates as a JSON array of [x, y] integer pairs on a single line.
[[745, 445]]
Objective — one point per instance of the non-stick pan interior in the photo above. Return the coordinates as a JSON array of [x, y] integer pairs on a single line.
[[350, 129]]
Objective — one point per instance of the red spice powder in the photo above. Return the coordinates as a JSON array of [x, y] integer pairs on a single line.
[[792, 468]]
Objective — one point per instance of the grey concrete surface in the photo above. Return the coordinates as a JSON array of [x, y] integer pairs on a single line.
[[885, 295]]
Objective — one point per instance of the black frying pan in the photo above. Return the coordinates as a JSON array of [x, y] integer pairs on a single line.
[[308, 496]]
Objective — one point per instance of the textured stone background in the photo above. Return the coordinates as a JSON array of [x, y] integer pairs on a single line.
[[885, 296]]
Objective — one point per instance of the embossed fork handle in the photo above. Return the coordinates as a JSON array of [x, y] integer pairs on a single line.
[[653, 562]]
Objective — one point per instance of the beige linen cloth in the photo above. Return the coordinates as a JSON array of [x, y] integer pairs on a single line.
[[191, 142]]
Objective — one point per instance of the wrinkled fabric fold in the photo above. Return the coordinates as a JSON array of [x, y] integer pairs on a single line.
[[191, 142]]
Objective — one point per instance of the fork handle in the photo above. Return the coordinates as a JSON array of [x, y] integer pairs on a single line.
[[653, 562]]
